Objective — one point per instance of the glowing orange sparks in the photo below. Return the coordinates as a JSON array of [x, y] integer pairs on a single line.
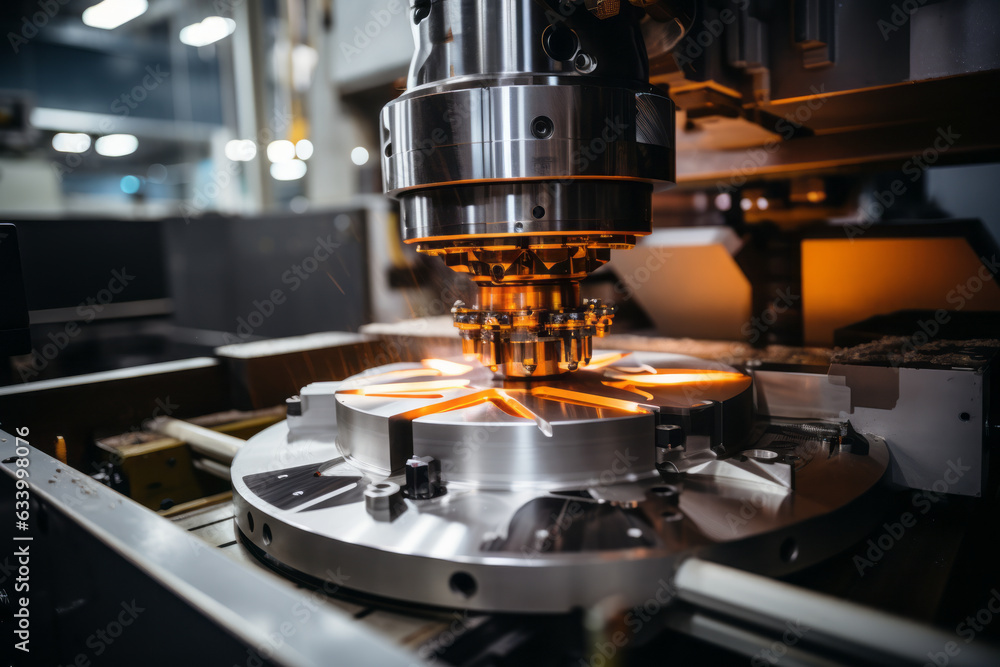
[[606, 359], [406, 389], [497, 397], [666, 377], [589, 400]]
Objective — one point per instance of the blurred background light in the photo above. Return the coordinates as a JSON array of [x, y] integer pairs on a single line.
[[289, 170], [110, 14], [281, 151], [130, 184], [304, 149], [71, 142], [210, 30], [359, 155], [241, 150], [116, 145]]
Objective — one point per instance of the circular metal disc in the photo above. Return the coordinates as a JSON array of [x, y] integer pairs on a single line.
[[533, 527]]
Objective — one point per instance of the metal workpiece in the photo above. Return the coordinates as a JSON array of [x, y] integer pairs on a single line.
[[551, 495]]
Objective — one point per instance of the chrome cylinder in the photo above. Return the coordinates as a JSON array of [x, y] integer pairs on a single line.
[[530, 112]]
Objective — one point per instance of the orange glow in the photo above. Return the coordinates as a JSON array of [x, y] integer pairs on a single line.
[[405, 373], [444, 367], [665, 377], [851, 279], [606, 359], [497, 397], [407, 388], [589, 400], [625, 386]]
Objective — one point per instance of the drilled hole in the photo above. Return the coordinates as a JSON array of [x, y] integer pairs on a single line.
[[266, 534], [538, 211], [965, 416], [463, 583], [250, 521], [541, 127]]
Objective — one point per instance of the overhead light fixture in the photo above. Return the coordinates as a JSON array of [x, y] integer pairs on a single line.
[[304, 149], [281, 150], [291, 170], [241, 150], [208, 31], [116, 145], [110, 14], [359, 155], [71, 142]]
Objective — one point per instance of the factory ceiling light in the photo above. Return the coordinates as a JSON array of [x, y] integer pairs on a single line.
[[210, 30], [110, 14], [116, 145], [71, 142]]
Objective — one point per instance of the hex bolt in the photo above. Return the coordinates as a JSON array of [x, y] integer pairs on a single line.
[[423, 477]]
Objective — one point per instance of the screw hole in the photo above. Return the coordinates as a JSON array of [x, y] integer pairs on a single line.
[[670, 516], [538, 211], [463, 583], [584, 63], [250, 521], [541, 127], [789, 550], [518, 227], [965, 416], [388, 149], [266, 534], [667, 491], [383, 485]]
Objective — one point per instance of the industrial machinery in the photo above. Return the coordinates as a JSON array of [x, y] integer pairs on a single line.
[[525, 149], [525, 492]]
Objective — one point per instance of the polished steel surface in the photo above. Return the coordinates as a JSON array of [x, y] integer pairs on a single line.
[[490, 133], [583, 210], [547, 506], [458, 38]]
